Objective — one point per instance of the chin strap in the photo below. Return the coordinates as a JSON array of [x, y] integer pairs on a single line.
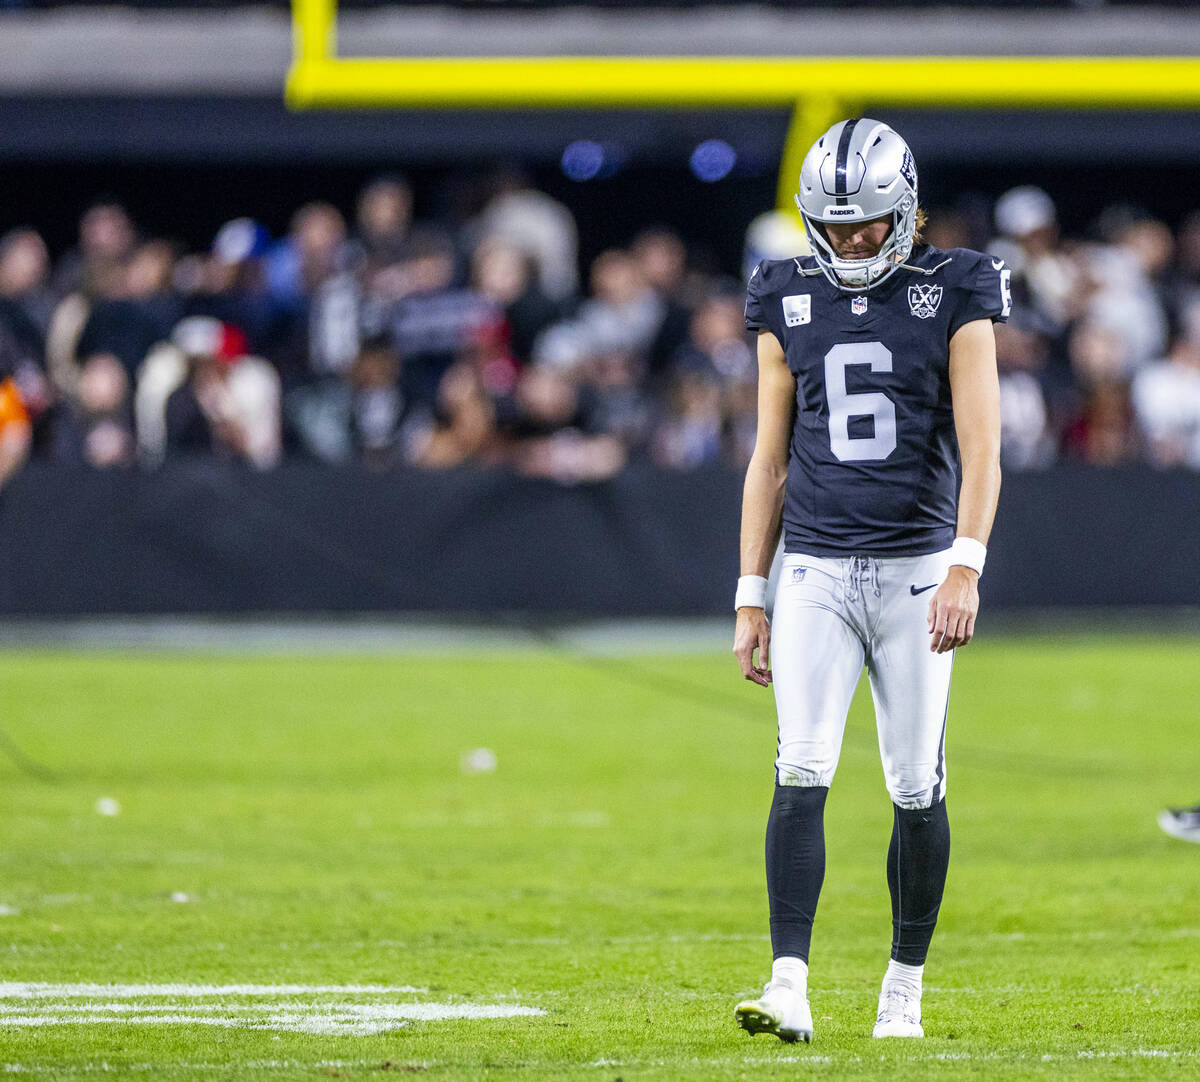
[[922, 270], [808, 272]]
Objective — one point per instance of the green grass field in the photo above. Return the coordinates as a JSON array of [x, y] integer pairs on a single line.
[[306, 822]]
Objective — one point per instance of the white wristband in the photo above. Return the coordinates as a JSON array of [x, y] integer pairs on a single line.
[[751, 593], [967, 552]]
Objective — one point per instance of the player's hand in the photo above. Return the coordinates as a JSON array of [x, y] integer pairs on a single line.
[[952, 610], [753, 633]]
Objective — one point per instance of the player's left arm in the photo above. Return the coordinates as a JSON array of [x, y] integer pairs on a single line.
[[975, 395]]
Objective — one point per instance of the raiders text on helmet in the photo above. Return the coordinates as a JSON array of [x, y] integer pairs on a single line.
[[858, 171]]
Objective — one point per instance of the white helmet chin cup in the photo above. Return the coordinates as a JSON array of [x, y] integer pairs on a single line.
[[858, 171]]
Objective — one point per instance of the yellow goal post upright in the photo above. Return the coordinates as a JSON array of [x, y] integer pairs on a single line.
[[815, 88]]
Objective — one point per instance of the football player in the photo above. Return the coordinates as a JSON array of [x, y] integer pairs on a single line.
[[877, 383]]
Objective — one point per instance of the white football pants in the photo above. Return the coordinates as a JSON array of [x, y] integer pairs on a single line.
[[833, 615]]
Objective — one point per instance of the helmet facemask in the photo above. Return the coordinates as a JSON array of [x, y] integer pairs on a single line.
[[859, 171], [859, 275]]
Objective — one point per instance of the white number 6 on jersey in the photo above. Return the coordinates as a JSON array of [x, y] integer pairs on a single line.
[[843, 406]]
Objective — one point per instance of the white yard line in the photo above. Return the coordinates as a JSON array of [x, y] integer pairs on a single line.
[[42, 990], [312, 1023], [295, 1008], [414, 1011]]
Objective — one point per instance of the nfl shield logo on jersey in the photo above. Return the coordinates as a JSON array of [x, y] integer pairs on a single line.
[[858, 305], [923, 300]]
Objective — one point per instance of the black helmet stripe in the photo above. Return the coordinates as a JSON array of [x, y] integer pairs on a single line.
[[843, 153]]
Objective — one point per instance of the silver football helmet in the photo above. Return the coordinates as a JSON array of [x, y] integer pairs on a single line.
[[857, 171]]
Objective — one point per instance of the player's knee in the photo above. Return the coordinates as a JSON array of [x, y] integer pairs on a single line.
[[806, 763], [792, 775], [916, 792], [918, 804]]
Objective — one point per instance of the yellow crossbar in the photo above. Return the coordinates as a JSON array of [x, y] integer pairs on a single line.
[[587, 81]]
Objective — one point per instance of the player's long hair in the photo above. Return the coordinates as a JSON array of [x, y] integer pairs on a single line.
[[920, 220]]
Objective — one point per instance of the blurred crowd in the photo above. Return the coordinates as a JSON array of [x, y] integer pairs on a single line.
[[1100, 362], [397, 342]]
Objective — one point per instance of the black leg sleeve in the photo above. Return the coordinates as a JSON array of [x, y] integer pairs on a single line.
[[917, 861], [795, 866]]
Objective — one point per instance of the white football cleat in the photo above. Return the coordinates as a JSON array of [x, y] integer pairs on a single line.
[[781, 1010], [899, 1013], [1182, 823]]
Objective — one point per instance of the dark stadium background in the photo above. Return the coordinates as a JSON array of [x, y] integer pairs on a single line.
[[183, 162]]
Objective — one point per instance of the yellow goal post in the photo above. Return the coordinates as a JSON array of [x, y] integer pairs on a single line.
[[820, 89]]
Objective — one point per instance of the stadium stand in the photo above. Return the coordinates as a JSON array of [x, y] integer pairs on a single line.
[[432, 343], [188, 271]]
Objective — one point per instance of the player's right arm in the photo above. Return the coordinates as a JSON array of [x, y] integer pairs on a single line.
[[762, 499]]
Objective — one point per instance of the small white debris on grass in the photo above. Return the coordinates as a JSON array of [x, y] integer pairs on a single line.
[[479, 761], [8, 910], [180, 896], [107, 806]]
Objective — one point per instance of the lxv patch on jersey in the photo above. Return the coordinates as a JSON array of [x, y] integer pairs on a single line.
[[797, 310], [923, 300]]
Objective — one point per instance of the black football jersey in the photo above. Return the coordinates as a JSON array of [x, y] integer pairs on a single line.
[[873, 466]]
